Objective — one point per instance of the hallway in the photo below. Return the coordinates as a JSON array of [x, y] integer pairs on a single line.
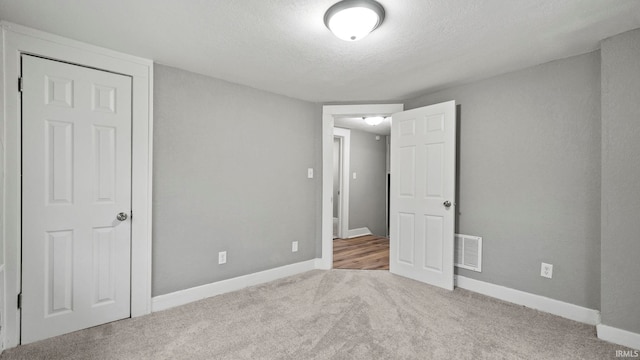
[[369, 252]]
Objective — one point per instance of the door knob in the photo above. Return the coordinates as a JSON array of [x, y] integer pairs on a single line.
[[447, 203], [122, 216]]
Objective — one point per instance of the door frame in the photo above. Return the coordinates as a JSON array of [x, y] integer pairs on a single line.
[[19, 40], [344, 137], [329, 113]]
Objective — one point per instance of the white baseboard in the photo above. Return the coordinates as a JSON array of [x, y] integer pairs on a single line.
[[322, 264], [552, 306], [358, 232], [182, 297], [619, 336], [2, 323]]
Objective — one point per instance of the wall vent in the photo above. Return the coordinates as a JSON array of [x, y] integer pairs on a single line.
[[468, 252]]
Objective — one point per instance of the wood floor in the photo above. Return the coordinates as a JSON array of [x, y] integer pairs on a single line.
[[368, 252]]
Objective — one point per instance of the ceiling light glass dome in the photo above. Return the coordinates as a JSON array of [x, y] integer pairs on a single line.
[[352, 20], [374, 120]]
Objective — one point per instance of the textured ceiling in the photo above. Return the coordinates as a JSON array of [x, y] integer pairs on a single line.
[[282, 46]]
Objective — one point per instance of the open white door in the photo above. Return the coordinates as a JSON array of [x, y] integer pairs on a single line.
[[76, 190], [423, 153]]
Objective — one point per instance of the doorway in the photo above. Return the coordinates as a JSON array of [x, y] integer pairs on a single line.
[[20, 40], [360, 168], [330, 115], [422, 219]]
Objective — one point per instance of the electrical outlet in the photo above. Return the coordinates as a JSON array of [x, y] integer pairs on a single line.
[[546, 270], [294, 246], [222, 257]]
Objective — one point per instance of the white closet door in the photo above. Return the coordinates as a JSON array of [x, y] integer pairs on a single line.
[[76, 160]]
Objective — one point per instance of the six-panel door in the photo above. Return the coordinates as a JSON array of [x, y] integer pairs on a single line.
[[76, 151], [423, 168]]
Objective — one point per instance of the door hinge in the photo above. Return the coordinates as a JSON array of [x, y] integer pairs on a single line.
[[20, 84], [20, 301]]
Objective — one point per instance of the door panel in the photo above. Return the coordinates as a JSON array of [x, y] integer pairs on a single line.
[[406, 238], [434, 233], [59, 163], [422, 226], [58, 272], [104, 267], [434, 184], [104, 141], [407, 171], [76, 140]]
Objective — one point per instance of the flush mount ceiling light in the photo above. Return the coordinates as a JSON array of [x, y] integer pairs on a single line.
[[373, 120], [352, 20]]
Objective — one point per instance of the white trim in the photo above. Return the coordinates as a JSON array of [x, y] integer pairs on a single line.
[[618, 336], [552, 306], [359, 232], [17, 40], [182, 297], [345, 161], [329, 112], [2, 308]]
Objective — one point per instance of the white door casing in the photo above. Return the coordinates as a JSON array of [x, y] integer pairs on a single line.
[[344, 135], [17, 40], [76, 179], [336, 186], [423, 153]]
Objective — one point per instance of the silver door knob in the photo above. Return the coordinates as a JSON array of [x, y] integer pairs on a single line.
[[122, 216], [447, 203]]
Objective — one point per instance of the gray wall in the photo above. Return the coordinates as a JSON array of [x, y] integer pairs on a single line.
[[230, 173], [529, 176], [621, 181], [367, 192]]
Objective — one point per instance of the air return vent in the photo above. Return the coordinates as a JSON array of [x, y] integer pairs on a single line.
[[468, 252]]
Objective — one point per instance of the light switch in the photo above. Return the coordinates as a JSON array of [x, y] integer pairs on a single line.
[[354, 175], [310, 173]]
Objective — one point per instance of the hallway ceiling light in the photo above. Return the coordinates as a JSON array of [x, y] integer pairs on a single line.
[[373, 120], [352, 20]]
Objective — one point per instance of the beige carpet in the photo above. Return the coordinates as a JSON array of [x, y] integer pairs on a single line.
[[338, 314]]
